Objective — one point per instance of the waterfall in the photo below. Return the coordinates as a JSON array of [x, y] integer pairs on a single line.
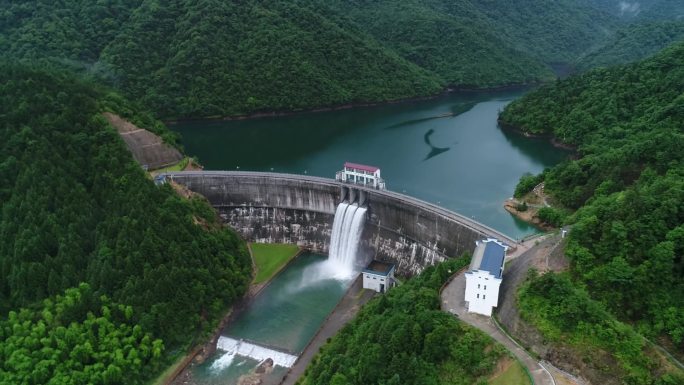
[[346, 234]]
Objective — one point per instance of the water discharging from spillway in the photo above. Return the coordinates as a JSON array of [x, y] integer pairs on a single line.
[[281, 319], [291, 308], [345, 238]]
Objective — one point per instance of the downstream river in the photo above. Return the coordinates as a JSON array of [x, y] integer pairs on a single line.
[[447, 151], [285, 315]]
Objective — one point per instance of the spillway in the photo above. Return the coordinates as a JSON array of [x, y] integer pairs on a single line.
[[345, 237], [254, 351]]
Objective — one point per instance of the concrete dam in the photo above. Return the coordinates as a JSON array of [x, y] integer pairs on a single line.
[[299, 209]]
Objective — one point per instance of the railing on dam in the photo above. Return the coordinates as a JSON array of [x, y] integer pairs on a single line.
[[426, 206]]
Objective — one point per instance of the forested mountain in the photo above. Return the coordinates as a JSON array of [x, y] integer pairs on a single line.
[[587, 337], [634, 42], [627, 242], [76, 208], [224, 58], [645, 10], [403, 337], [208, 57], [553, 32], [452, 39]]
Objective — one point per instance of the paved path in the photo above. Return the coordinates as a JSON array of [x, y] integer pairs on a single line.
[[344, 312], [453, 301]]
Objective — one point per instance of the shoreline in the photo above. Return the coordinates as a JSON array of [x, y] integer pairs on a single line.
[[347, 106], [206, 349], [555, 142], [528, 216]]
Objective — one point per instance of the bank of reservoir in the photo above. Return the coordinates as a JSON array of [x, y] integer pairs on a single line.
[[448, 151]]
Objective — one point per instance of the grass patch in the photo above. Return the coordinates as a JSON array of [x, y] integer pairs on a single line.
[[514, 374], [176, 167], [270, 257]]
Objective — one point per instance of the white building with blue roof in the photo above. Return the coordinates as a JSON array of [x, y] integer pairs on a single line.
[[378, 276], [484, 276]]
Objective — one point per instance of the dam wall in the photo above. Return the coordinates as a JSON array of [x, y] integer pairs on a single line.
[[272, 207]]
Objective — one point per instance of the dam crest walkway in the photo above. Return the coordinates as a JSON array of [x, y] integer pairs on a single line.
[[423, 205]]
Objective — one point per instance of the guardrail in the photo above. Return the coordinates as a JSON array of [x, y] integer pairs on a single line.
[[463, 220]]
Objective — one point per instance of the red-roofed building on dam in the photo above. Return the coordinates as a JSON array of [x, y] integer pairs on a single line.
[[361, 174], [484, 276]]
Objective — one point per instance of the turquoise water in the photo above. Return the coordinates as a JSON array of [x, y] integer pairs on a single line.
[[285, 315], [463, 162]]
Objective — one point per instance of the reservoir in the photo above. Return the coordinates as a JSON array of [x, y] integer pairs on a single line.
[[448, 150]]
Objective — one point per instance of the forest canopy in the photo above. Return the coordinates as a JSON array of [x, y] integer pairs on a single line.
[[209, 58], [77, 209], [403, 337], [627, 240]]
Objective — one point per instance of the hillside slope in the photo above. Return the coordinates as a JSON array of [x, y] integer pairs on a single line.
[[454, 40], [633, 43], [77, 209], [553, 32], [626, 243], [211, 58], [403, 337], [250, 57]]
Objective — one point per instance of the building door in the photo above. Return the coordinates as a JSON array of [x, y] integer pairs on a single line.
[[382, 287]]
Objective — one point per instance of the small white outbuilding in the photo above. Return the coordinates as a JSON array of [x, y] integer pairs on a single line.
[[484, 276], [378, 276]]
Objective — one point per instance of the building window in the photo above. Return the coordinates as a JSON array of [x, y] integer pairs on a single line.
[[485, 287], [478, 295], [478, 285], [483, 296]]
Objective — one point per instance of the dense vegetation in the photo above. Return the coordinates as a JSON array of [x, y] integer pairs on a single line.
[[210, 57], [77, 338], [566, 315], [404, 338], [467, 52], [77, 208], [639, 10], [627, 243], [554, 32], [634, 42], [659, 9]]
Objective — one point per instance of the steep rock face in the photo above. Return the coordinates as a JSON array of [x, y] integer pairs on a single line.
[[268, 207]]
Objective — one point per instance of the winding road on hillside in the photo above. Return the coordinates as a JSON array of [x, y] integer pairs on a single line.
[[453, 301]]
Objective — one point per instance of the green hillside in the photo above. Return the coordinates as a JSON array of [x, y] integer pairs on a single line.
[[270, 55], [607, 351], [77, 209], [210, 58], [628, 183], [633, 43], [453, 40], [554, 32], [403, 337], [644, 10]]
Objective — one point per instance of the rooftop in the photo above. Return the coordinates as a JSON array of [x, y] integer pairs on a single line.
[[377, 267], [360, 167], [489, 256]]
